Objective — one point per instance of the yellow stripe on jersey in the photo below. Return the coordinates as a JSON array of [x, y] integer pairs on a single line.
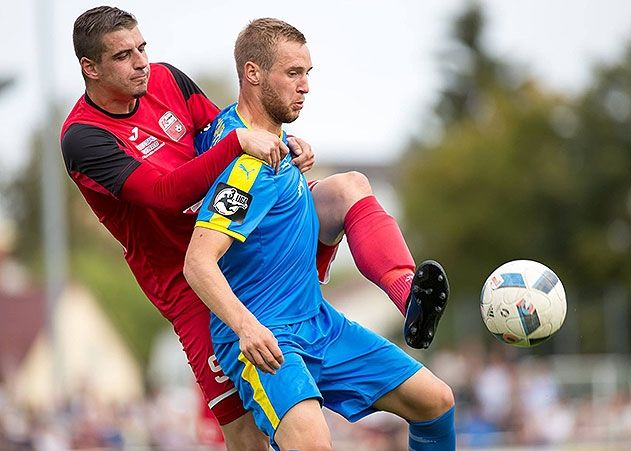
[[242, 176], [236, 110], [210, 225], [250, 374]]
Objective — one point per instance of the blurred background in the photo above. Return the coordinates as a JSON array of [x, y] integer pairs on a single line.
[[492, 130]]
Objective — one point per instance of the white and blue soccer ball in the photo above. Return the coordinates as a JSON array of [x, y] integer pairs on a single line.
[[523, 303]]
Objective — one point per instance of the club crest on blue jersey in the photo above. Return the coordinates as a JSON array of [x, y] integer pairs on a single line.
[[218, 133], [230, 202]]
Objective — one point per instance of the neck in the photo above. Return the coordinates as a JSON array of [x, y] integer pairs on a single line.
[[255, 115], [110, 102]]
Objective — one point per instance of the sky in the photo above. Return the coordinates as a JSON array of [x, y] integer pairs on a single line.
[[376, 64]]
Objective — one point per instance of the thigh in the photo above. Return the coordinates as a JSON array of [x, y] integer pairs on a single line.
[[331, 207], [268, 396], [333, 197], [220, 393], [359, 368], [303, 427]]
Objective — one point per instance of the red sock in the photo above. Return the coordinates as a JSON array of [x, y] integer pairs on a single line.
[[379, 249]]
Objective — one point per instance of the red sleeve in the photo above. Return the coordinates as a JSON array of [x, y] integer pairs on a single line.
[[184, 186]]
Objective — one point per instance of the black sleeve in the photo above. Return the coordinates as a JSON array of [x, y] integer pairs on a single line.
[[187, 86], [95, 153]]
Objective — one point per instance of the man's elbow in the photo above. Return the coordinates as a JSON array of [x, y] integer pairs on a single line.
[[191, 268]]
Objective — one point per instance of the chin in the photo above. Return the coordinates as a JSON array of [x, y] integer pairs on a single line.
[[139, 94], [291, 117]]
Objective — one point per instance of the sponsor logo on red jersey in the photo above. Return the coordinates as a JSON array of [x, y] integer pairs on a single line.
[[172, 126]]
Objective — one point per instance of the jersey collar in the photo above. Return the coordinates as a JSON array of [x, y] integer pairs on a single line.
[[90, 102]]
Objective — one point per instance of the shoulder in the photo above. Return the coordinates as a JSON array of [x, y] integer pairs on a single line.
[[78, 137], [226, 121], [248, 173], [183, 81]]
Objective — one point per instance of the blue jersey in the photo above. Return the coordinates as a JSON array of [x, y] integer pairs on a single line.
[[271, 264], [227, 120]]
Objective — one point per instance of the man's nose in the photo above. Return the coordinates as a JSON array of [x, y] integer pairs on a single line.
[[140, 59], [303, 86]]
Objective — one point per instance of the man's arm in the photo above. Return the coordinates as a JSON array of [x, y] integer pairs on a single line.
[[189, 183], [93, 154], [203, 274]]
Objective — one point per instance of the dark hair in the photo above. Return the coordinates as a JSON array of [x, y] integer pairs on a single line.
[[257, 42], [89, 28]]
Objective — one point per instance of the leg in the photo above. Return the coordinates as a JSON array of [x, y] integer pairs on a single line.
[[303, 427], [273, 399], [428, 404], [363, 372], [243, 435], [334, 196], [239, 430], [422, 397], [345, 204]]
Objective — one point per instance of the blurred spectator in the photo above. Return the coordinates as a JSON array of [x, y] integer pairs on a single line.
[[502, 402]]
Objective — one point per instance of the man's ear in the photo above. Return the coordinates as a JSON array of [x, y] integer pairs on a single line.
[[89, 69], [252, 73]]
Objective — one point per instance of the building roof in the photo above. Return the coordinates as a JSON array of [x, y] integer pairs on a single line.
[[22, 316]]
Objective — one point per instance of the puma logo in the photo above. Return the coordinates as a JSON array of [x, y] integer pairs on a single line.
[[247, 173]]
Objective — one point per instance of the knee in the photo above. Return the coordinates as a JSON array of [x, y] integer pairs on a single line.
[[339, 192], [343, 189], [355, 185], [445, 398], [439, 399]]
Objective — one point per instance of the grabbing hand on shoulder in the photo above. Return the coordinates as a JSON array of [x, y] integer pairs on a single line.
[[263, 145], [305, 157]]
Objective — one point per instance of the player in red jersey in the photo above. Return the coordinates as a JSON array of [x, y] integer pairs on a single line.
[[128, 145]]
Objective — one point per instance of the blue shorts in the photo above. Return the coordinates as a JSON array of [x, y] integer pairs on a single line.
[[339, 362]]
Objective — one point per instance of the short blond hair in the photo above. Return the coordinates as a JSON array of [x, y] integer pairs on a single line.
[[257, 42]]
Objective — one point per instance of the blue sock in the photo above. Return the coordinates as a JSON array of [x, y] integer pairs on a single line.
[[438, 434]]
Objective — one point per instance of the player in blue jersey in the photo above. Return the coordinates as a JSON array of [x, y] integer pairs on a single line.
[[347, 207], [252, 260]]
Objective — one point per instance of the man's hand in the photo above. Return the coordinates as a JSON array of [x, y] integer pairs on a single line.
[[260, 347], [263, 145], [304, 158]]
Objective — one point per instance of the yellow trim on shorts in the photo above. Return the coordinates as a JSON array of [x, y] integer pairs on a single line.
[[251, 375]]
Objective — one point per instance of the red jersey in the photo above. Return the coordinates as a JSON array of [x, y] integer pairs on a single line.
[[101, 151]]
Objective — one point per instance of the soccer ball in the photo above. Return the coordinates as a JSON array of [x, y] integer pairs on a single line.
[[523, 303]]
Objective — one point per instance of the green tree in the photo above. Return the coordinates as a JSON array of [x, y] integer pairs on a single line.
[[523, 173]]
